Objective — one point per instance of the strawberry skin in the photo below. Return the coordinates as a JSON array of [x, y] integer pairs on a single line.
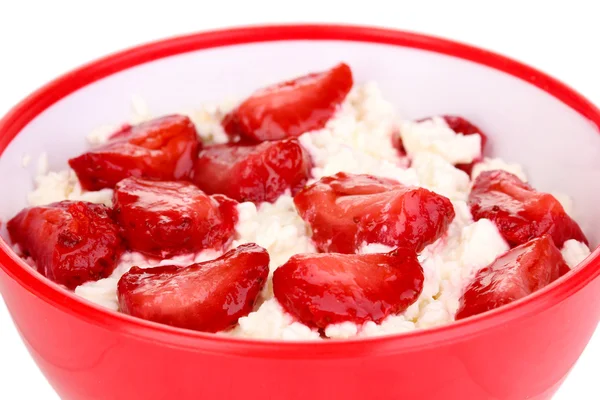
[[164, 149], [163, 219], [323, 289], [345, 210], [514, 275], [209, 296], [520, 212], [71, 242], [290, 108], [257, 172]]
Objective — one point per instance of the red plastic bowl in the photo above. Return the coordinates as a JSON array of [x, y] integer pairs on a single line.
[[524, 350]]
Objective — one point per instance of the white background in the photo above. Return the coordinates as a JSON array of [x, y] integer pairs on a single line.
[[40, 40]]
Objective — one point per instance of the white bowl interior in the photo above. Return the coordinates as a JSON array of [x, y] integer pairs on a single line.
[[559, 148]]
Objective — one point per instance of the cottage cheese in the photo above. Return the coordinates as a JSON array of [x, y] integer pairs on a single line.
[[435, 136], [101, 134], [63, 185], [357, 140], [276, 227], [438, 175], [574, 252], [271, 322], [207, 119]]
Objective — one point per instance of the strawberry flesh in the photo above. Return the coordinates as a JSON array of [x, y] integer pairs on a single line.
[[209, 296], [257, 173], [163, 219], [345, 210], [520, 212], [514, 275], [71, 242], [323, 289], [290, 108], [164, 149]]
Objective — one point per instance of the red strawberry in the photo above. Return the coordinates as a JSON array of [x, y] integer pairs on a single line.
[[514, 275], [163, 148], [163, 219], [323, 289], [289, 109], [397, 143], [346, 210], [520, 212], [260, 172], [209, 296], [71, 242]]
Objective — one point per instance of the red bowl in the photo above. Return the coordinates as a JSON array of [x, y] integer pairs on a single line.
[[524, 350]]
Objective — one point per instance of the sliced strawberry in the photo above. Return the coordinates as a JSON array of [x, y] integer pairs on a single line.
[[167, 218], [257, 173], [520, 212], [514, 275], [209, 296], [323, 289], [163, 148], [71, 242], [346, 210], [397, 143], [289, 109]]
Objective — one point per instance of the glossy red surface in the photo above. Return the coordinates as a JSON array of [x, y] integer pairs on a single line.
[[519, 211], [512, 276], [253, 172], [162, 219], [523, 350], [288, 109], [71, 242], [461, 125], [347, 210], [210, 296], [330, 288], [163, 148]]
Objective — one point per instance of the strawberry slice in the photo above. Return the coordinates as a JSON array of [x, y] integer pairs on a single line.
[[397, 143], [163, 219], [514, 275], [71, 242], [520, 212], [257, 173], [289, 109], [163, 148], [323, 289], [345, 210], [209, 296]]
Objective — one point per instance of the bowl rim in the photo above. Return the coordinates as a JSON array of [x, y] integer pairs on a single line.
[[24, 112]]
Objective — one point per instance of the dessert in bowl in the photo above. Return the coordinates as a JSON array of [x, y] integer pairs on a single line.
[[307, 212]]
